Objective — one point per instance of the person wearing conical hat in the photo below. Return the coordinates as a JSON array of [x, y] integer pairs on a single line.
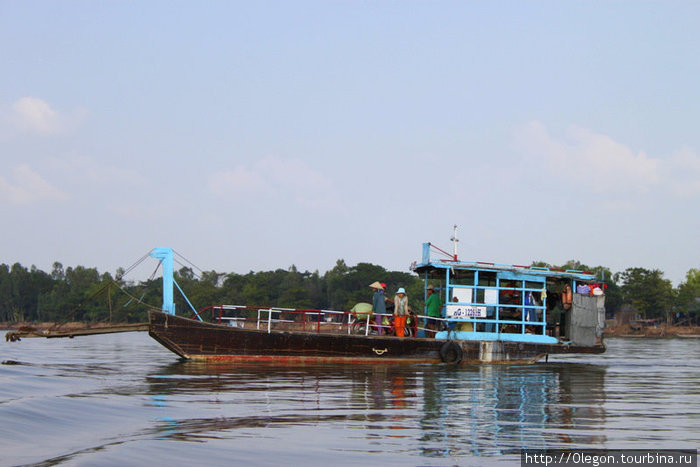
[[378, 305]]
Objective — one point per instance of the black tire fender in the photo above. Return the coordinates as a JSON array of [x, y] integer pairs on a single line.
[[451, 352]]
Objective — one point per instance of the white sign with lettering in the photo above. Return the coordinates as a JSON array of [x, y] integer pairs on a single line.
[[466, 311]]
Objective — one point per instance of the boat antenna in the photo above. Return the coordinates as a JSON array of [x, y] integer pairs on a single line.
[[454, 241]]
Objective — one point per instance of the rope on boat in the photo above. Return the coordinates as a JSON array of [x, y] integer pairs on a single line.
[[132, 297], [133, 266], [138, 300], [188, 262], [31, 331], [187, 267], [75, 310], [55, 331], [108, 286]]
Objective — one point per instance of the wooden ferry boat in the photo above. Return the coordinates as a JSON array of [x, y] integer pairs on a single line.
[[493, 313]]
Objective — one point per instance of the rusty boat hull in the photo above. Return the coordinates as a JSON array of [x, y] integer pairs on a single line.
[[196, 340]]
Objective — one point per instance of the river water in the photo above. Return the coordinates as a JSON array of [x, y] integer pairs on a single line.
[[122, 399]]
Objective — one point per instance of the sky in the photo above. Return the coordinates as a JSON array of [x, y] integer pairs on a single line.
[[252, 136]]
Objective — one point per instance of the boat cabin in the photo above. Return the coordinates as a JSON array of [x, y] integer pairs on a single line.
[[501, 302]]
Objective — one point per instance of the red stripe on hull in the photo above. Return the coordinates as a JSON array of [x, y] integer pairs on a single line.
[[300, 359]]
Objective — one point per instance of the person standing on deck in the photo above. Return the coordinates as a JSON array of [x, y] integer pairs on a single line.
[[400, 311], [433, 307], [378, 305]]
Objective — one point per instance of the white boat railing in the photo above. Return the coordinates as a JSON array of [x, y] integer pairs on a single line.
[[270, 317]]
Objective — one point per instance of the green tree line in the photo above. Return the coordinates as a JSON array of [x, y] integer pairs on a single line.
[[83, 294]]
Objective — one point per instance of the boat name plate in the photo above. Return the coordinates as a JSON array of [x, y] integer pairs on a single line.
[[466, 311]]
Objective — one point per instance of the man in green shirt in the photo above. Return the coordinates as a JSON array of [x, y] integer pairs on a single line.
[[433, 308]]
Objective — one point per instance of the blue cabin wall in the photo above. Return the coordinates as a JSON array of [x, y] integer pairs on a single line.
[[485, 306]]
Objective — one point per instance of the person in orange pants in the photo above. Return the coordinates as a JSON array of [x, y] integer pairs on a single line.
[[400, 311]]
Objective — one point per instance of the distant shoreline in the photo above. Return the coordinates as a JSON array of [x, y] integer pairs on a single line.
[[651, 332], [654, 332], [69, 326]]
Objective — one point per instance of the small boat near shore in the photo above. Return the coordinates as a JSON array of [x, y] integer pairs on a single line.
[[492, 313]]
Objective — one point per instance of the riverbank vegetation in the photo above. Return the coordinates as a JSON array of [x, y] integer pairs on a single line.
[[83, 294]]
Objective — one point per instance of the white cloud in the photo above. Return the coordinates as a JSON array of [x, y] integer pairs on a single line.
[[28, 187], [238, 181], [278, 178], [89, 170], [682, 171], [36, 116], [588, 159]]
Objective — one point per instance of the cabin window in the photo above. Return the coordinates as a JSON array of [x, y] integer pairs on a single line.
[[461, 294], [462, 277], [511, 293], [487, 279], [491, 296], [436, 275]]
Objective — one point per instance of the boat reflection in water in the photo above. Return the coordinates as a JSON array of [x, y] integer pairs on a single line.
[[498, 409], [431, 410]]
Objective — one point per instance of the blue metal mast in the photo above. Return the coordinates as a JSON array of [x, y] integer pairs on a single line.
[[165, 256]]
